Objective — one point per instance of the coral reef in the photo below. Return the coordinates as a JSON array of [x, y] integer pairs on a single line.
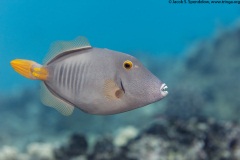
[[165, 139], [76, 146], [125, 134], [208, 79]]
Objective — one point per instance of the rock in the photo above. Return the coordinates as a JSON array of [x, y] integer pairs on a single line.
[[148, 147], [195, 139], [41, 151], [12, 153], [104, 149], [124, 135], [76, 146]]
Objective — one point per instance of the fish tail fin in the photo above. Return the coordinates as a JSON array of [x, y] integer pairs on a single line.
[[30, 69]]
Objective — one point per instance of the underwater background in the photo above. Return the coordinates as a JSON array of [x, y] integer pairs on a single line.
[[194, 48]]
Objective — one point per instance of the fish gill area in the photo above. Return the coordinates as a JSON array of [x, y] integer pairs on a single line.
[[198, 120]]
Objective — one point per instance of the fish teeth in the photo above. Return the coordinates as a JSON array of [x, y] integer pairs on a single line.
[[163, 89]]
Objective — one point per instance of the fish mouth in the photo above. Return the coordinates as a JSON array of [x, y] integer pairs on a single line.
[[163, 90]]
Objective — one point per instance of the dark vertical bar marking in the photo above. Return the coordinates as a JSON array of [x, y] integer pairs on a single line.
[[69, 76], [74, 73], [77, 80], [60, 75], [65, 72]]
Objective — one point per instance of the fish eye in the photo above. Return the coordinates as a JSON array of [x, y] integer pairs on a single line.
[[127, 64]]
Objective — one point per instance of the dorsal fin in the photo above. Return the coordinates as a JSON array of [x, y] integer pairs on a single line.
[[60, 47]]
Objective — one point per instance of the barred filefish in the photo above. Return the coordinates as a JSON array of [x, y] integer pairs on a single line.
[[95, 80]]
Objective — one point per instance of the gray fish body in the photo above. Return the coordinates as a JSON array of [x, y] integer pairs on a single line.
[[81, 78]]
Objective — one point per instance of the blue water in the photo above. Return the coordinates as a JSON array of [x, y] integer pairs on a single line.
[[27, 28]]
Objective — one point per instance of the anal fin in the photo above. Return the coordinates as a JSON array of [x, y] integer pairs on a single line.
[[49, 99]]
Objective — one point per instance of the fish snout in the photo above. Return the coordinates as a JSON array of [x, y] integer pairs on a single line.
[[163, 90]]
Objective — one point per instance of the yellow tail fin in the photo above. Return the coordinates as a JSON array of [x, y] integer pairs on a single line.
[[29, 69]]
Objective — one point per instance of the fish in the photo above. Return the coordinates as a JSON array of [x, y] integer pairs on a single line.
[[95, 80]]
